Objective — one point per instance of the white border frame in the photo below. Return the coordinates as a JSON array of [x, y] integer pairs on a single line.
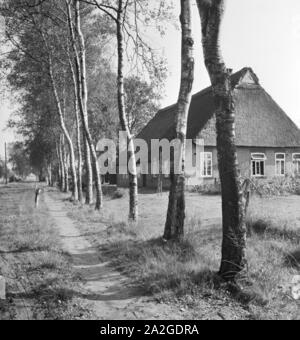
[[257, 160], [202, 165], [283, 159], [293, 161]]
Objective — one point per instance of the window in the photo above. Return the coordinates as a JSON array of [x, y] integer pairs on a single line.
[[280, 164], [258, 164], [296, 163], [206, 164]]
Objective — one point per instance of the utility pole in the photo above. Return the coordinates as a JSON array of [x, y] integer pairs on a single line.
[[6, 175]]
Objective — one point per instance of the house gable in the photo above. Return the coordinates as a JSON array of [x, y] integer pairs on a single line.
[[260, 122], [248, 78]]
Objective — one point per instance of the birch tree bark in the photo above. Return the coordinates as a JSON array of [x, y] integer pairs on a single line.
[[60, 165], [233, 203], [79, 152], [78, 132], [65, 166], [133, 181], [174, 228], [89, 194]]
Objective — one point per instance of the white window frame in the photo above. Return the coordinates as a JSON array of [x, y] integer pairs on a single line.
[[206, 157], [281, 160], [257, 158], [296, 163]]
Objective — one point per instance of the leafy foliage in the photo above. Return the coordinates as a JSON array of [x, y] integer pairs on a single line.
[[20, 160], [141, 104], [26, 65]]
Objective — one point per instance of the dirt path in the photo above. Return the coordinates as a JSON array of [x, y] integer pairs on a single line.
[[109, 294]]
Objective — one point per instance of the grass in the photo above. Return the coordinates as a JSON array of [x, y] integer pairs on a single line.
[[187, 271], [161, 267], [266, 226], [292, 259], [273, 245], [113, 192], [189, 268], [38, 273]]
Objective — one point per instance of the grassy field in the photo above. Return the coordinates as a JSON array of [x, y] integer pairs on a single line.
[[40, 278], [38, 273], [185, 274]]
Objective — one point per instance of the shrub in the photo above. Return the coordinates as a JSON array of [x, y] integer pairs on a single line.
[[207, 189], [276, 187], [118, 194]]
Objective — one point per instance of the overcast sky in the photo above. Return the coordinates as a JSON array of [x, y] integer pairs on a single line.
[[262, 34]]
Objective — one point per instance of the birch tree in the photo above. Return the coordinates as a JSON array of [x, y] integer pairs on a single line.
[[61, 119], [78, 131], [127, 15], [82, 121], [133, 181], [61, 170], [30, 29], [77, 39], [233, 203], [117, 14], [174, 228], [65, 187]]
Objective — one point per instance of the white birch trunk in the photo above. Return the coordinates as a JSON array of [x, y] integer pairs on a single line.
[[174, 228], [78, 133], [233, 203], [83, 93], [133, 181], [65, 131], [89, 198]]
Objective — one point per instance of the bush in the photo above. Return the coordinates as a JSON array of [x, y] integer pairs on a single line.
[[266, 188], [207, 189], [113, 192], [118, 194], [277, 186]]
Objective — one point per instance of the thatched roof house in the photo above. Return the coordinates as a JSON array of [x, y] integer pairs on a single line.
[[260, 122], [267, 139]]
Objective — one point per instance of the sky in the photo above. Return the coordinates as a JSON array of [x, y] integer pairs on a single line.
[[262, 34]]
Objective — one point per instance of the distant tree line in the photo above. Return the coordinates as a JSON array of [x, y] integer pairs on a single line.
[[62, 66]]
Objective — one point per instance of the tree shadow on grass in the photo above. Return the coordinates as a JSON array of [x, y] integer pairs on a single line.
[[293, 259], [180, 268], [157, 265], [25, 250], [55, 294], [267, 228]]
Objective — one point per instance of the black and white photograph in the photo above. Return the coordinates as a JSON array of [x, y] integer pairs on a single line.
[[149, 163]]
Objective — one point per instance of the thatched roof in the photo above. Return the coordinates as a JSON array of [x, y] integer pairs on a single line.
[[260, 122]]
